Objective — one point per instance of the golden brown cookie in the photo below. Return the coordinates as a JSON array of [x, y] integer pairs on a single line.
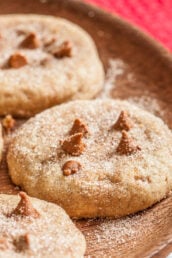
[[45, 61], [33, 228], [115, 160]]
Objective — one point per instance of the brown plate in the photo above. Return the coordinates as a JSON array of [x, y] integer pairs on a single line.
[[140, 70]]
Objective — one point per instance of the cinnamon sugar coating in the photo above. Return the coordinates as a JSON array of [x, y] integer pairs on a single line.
[[111, 183], [50, 235]]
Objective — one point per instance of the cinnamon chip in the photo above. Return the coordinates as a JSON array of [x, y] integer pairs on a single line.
[[127, 145], [123, 122], [31, 41], [8, 123], [22, 242], [25, 208], [79, 127], [73, 145], [50, 42], [17, 60], [45, 61], [64, 50], [3, 244], [20, 32], [71, 167]]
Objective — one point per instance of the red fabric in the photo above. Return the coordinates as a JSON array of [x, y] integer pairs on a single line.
[[153, 16]]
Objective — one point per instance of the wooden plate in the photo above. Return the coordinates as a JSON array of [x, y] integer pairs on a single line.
[[140, 70]]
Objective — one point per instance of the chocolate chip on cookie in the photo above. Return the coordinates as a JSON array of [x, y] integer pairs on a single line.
[[25, 208], [71, 167], [127, 145], [17, 60], [123, 122], [31, 41], [64, 50], [79, 127], [49, 42], [44, 62], [22, 242], [74, 145]]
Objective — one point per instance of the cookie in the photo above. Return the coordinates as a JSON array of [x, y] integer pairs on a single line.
[[45, 61], [33, 228], [1, 142], [99, 158]]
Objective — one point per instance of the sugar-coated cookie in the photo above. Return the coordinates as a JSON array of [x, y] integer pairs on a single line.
[[95, 158], [33, 228], [45, 61]]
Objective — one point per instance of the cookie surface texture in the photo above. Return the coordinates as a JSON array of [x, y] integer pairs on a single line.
[[33, 228], [45, 61], [101, 158]]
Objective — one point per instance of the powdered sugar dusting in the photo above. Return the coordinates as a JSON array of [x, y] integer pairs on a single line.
[[116, 68], [148, 103]]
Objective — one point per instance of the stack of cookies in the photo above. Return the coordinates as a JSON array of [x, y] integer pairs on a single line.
[[94, 158]]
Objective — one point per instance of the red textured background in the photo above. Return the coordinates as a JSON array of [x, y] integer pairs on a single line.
[[153, 16]]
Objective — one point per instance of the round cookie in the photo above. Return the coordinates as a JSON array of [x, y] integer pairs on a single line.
[[100, 158], [35, 228], [1, 142], [45, 61]]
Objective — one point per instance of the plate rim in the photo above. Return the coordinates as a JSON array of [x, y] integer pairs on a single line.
[[132, 28]]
